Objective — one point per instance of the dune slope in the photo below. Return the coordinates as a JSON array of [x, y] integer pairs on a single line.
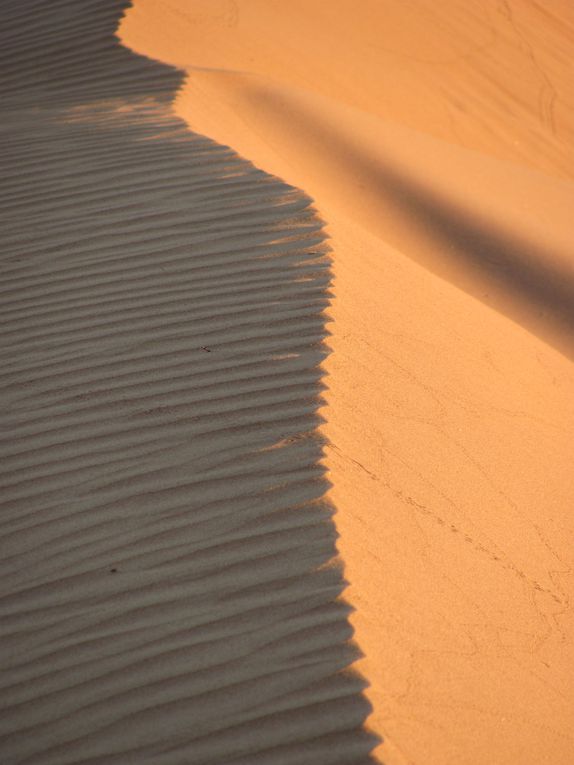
[[436, 141], [168, 591]]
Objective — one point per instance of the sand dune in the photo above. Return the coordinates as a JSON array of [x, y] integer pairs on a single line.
[[169, 592], [436, 141]]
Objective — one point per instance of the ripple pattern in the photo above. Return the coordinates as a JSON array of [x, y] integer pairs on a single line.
[[169, 589]]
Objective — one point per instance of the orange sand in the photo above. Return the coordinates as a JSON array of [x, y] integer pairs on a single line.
[[436, 139]]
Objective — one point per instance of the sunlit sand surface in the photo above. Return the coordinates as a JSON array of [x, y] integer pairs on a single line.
[[436, 141]]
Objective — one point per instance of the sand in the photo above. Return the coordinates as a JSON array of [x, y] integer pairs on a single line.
[[169, 588], [436, 141], [197, 396]]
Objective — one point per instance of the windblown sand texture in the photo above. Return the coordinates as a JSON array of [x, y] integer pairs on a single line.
[[436, 139], [168, 592]]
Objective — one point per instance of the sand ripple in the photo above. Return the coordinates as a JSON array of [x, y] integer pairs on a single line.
[[168, 592]]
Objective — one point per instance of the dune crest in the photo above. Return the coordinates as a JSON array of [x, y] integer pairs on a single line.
[[169, 588], [436, 141]]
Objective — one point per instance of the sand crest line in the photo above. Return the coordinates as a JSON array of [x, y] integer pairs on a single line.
[[170, 586]]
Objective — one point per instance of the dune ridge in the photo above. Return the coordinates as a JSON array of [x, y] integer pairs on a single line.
[[436, 141], [170, 591]]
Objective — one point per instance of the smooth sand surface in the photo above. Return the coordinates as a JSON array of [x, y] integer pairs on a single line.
[[169, 592], [436, 140]]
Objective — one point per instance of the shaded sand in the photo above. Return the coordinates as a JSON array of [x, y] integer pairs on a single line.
[[168, 593], [436, 140]]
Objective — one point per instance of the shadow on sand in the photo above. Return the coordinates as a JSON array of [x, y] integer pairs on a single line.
[[169, 590]]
